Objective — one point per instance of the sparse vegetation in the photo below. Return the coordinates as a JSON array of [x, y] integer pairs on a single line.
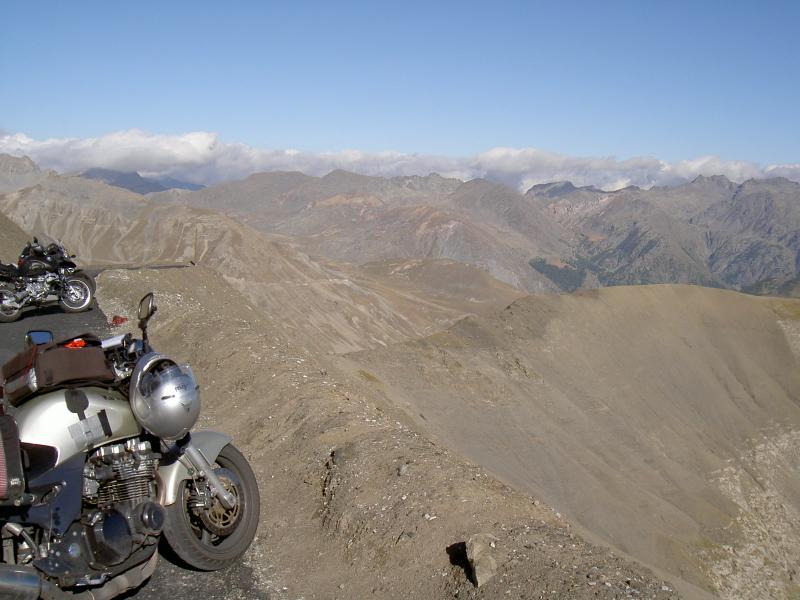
[[568, 278]]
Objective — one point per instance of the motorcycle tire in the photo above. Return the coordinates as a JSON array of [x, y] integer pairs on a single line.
[[88, 278], [190, 535], [77, 295], [8, 315]]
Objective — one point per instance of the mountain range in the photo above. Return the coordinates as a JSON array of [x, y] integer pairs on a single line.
[[711, 231], [374, 337], [338, 307], [555, 237], [131, 180]]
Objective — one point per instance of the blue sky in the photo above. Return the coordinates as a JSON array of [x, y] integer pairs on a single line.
[[673, 80]]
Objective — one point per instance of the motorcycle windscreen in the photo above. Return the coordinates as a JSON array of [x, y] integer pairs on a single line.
[[12, 482]]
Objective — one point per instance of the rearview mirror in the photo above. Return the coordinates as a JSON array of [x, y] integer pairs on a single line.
[[37, 337], [147, 306]]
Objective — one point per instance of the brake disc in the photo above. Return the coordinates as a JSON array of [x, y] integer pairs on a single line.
[[217, 519]]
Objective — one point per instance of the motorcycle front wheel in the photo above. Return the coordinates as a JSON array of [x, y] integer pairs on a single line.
[[88, 278], [76, 295], [8, 314], [210, 538]]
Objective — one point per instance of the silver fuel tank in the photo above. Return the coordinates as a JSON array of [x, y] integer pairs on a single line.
[[76, 420]]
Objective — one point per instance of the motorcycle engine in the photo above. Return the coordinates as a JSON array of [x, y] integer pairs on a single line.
[[122, 513], [121, 519], [39, 287]]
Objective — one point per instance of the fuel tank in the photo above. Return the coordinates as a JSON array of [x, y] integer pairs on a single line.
[[32, 267], [75, 420]]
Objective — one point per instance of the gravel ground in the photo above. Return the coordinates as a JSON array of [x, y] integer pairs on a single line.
[[174, 582]]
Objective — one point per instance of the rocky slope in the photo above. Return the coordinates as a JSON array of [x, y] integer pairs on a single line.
[[358, 501], [361, 219], [754, 235], [17, 173], [662, 419], [12, 240], [626, 240], [710, 231]]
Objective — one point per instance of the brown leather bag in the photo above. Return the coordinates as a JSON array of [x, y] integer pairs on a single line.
[[50, 366]]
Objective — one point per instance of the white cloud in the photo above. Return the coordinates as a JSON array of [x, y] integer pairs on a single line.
[[201, 157], [789, 171]]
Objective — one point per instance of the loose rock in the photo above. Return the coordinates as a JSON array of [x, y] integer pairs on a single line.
[[482, 557]]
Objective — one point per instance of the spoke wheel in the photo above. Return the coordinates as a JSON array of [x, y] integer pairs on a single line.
[[76, 295], [8, 313]]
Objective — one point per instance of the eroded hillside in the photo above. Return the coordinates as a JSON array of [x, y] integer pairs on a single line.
[[663, 419], [18, 172], [12, 240], [360, 219], [357, 500], [710, 231]]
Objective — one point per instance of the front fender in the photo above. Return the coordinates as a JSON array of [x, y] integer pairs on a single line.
[[170, 477]]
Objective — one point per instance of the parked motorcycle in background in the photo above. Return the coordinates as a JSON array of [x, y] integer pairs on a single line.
[[43, 276], [98, 466]]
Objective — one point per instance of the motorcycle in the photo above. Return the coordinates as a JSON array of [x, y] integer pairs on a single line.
[[43, 276], [97, 467]]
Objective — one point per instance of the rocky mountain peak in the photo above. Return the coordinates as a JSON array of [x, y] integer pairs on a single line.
[[773, 182], [713, 181], [553, 189], [710, 178], [10, 165], [338, 175], [17, 172]]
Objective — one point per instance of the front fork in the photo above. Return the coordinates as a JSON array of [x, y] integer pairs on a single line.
[[194, 459], [205, 470]]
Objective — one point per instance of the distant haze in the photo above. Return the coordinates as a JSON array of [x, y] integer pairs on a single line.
[[202, 158]]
